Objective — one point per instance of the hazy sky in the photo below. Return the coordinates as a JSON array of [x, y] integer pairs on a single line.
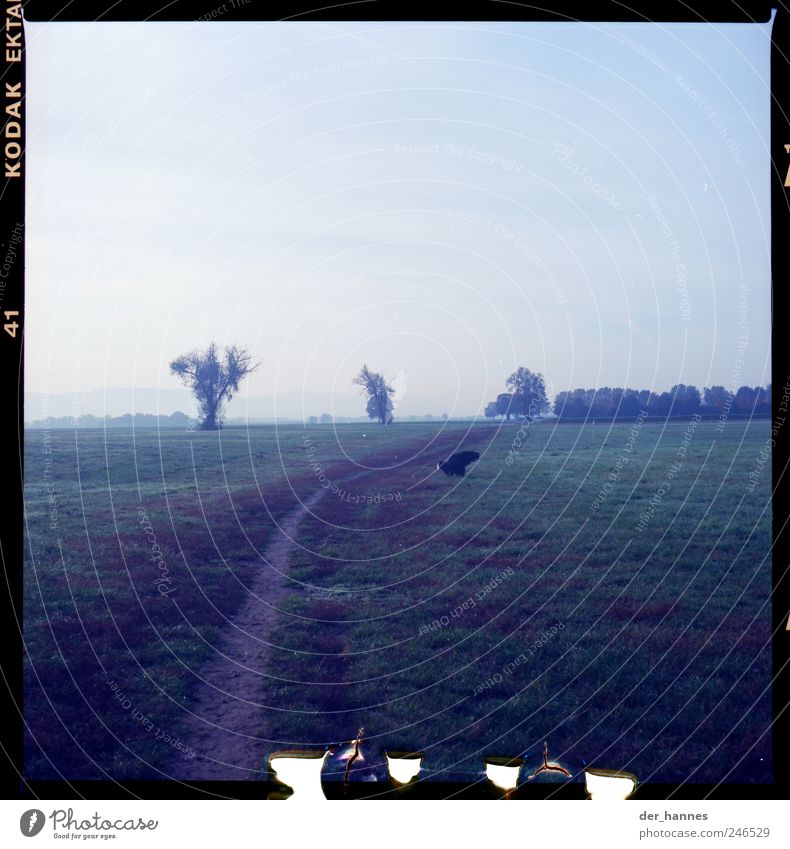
[[444, 202]]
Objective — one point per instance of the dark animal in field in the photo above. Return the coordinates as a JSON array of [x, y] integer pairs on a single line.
[[456, 465]]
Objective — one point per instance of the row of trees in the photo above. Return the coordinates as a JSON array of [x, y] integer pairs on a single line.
[[138, 420], [680, 400], [527, 397], [326, 418], [214, 378]]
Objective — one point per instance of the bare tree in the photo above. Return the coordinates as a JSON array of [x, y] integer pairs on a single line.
[[212, 379], [379, 392]]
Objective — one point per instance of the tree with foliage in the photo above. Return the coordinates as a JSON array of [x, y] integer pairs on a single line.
[[491, 411], [680, 400], [213, 379], [630, 405], [745, 399], [686, 400], [504, 405], [529, 392], [560, 403], [326, 418], [379, 391], [660, 404], [602, 405], [714, 399], [763, 406]]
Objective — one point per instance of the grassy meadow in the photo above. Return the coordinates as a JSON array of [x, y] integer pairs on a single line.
[[605, 588]]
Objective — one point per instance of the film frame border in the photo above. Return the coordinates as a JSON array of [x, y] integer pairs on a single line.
[[12, 211]]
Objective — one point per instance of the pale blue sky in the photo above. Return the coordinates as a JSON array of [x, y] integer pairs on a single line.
[[442, 201]]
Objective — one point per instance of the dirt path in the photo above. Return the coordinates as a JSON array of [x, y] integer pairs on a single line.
[[224, 730], [227, 726]]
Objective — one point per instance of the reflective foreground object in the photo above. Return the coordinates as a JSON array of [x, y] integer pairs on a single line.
[[404, 766], [609, 784], [503, 773], [301, 771]]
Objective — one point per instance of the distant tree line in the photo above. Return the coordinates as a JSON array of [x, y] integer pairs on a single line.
[[680, 400], [325, 418], [177, 419]]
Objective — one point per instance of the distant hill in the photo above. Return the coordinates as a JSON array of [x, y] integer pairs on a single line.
[[107, 402]]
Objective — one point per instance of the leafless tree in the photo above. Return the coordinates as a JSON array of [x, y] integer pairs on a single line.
[[379, 392], [213, 379]]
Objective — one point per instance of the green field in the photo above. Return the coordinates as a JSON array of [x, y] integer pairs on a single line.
[[542, 597]]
